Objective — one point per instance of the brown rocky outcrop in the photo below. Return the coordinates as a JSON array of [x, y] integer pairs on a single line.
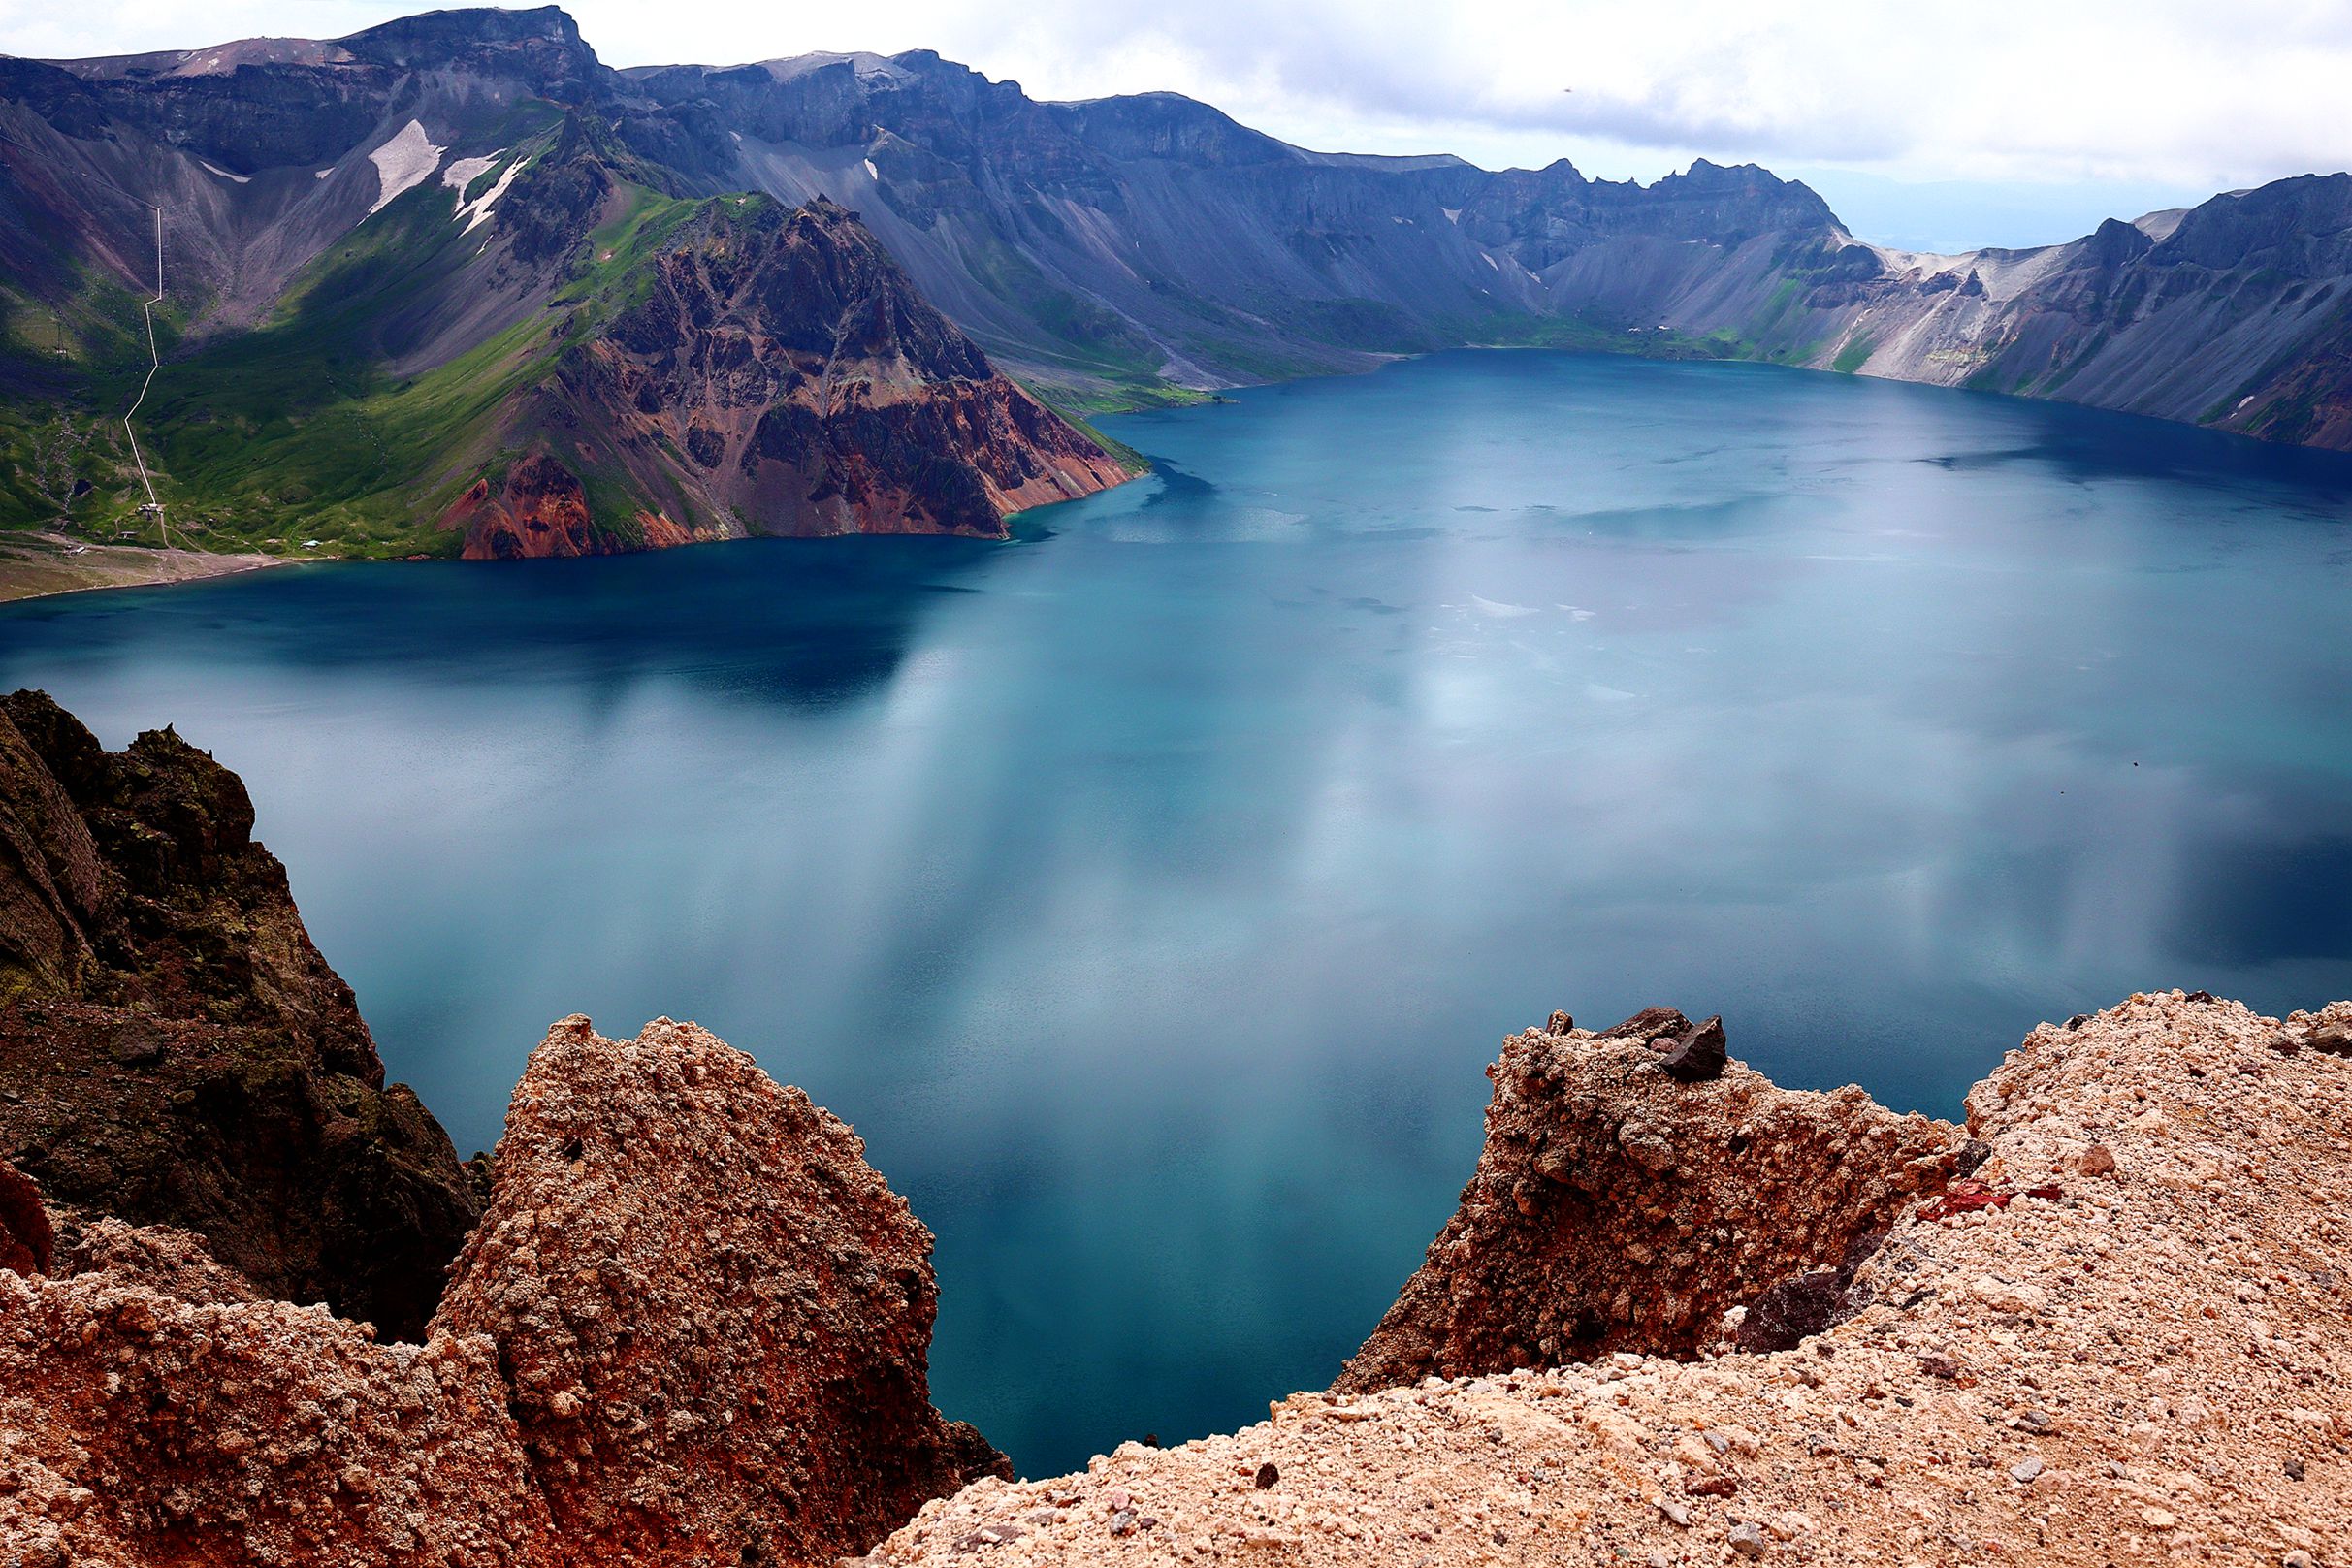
[[713, 1313], [152, 1412], [173, 1048], [2129, 1351], [1625, 1199], [814, 389], [692, 1329], [26, 1241]]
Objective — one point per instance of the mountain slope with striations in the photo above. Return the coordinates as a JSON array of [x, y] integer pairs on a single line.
[[420, 299], [452, 285]]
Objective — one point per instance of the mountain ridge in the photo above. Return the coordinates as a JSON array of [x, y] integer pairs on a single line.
[[370, 349], [1109, 252]]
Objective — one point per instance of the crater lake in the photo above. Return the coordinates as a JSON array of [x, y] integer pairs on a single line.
[[1151, 891]]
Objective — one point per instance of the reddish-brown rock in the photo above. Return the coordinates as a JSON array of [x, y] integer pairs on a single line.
[[1619, 1207], [158, 1258], [2141, 1368], [141, 1427], [777, 373], [714, 1314], [538, 510], [25, 1237]]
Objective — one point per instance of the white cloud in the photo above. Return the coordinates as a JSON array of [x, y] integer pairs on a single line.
[[2177, 92]]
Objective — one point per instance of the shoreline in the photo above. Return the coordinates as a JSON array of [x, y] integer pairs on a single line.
[[37, 566]]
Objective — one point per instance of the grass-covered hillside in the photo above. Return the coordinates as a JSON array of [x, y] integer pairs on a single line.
[[410, 369]]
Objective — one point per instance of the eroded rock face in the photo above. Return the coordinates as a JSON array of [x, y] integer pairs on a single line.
[[782, 373], [714, 1314], [692, 1329], [153, 1412], [1626, 1199], [173, 1048]]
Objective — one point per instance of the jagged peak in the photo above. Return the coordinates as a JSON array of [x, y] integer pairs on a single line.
[[583, 135]]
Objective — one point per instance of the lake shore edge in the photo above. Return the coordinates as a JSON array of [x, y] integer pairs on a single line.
[[46, 565]]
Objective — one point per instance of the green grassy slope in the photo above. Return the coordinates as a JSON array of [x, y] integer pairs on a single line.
[[298, 431]]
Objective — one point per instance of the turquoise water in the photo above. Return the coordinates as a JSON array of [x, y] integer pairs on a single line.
[[1151, 892]]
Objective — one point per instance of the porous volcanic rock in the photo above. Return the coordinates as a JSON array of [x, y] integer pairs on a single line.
[[714, 1314], [140, 1426], [26, 1240], [173, 1048], [2134, 1355], [1618, 1204], [158, 1257]]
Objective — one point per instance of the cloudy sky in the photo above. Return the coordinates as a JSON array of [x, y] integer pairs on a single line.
[[1928, 126]]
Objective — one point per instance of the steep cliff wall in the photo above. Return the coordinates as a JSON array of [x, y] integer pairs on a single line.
[[778, 375], [173, 1048], [422, 237], [2237, 313], [423, 297], [1115, 243]]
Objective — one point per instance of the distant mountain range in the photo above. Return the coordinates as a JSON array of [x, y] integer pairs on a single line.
[[453, 285]]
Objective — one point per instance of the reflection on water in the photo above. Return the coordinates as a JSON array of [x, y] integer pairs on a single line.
[[1151, 891]]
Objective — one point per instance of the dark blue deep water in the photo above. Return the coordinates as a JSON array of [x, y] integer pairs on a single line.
[[1151, 891]]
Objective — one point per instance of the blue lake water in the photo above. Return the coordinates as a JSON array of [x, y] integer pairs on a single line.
[[1151, 891]]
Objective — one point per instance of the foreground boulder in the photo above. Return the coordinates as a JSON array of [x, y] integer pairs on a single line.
[[153, 1411], [2121, 1343], [1634, 1188], [715, 1315], [692, 1329], [173, 1048]]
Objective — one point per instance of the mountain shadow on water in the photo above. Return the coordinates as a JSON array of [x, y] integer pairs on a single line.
[[808, 624]]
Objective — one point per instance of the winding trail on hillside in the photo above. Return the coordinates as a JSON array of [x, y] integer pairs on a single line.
[[154, 357], [154, 363]]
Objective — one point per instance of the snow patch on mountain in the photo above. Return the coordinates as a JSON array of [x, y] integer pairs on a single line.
[[403, 164], [477, 211]]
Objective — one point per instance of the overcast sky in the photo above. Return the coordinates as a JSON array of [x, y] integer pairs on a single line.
[[2022, 123]]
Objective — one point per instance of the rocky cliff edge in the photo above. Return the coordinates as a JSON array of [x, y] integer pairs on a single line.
[[2118, 1339], [174, 1051], [715, 1315], [690, 1329]]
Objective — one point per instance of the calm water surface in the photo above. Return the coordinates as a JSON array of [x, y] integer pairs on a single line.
[[1151, 892]]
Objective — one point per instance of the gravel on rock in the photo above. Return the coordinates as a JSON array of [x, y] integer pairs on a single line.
[[2173, 1311]]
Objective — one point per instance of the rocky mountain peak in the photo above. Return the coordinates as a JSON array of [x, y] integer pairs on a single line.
[[545, 35], [1604, 1152], [662, 1204]]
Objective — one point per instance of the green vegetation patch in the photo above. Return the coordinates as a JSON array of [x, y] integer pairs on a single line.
[[1854, 355]]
